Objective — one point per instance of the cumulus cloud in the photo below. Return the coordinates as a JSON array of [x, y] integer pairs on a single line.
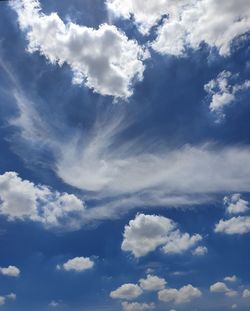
[[224, 90], [231, 279], [200, 251], [147, 232], [246, 293], [104, 59], [23, 200], [189, 23], [126, 291], [152, 283], [54, 304], [10, 271], [10, 296], [235, 225], [182, 295], [144, 12], [78, 264], [235, 204], [136, 306], [221, 287]]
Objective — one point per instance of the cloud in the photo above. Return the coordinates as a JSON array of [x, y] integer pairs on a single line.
[[235, 204], [126, 291], [235, 225], [224, 90], [200, 251], [145, 13], [246, 293], [54, 304], [231, 279], [78, 264], [10, 296], [152, 283], [104, 59], [10, 271], [221, 287], [183, 295], [178, 243], [193, 22], [147, 232], [23, 200], [136, 306]]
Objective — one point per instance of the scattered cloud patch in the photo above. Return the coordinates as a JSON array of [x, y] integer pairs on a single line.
[[246, 293], [221, 287], [235, 225], [126, 291], [152, 283], [78, 264], [200, 251], [223, 91], [104, 59], [235, 204], [178, 296], [10, 271], [190, 23], [231, 279], [136, 306], [147, 232], [23, 200]]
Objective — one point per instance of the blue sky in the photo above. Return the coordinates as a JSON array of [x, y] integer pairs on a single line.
[[125, 147]]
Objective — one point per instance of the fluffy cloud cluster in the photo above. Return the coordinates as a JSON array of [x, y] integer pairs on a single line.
[[103, 59], [23, 200], [200, 251], [235, 204], [10, 271], [78, 264], [223, 91], [188, 23], [246, 293], [234, 225], [147, 232], [221, 287], [136, 306], [126, 291], [152, 283], [3, 299], [178, 296]]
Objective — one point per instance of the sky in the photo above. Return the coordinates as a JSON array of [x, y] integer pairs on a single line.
[[124, 155]]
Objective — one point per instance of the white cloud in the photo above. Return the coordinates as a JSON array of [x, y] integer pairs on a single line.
[[246, 293], [234, 306], [78, 264], [223, 91], [183, 295], [126, 291], [103, 59], [235, 225], [23, 200], [200, 251], [10, 271], [2, 300], [146, 13], [178, 243], [136, 306], [147, 232], [11, 296], [54, 304], [192, 22], [152, 283], [231, 279], [221, 287], [235, 204]]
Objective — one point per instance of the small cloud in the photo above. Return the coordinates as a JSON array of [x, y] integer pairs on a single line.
[[11, 271], [126, 291], [200, 251], [77, 264], [54, 304], [246, 293], [231, 279]]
